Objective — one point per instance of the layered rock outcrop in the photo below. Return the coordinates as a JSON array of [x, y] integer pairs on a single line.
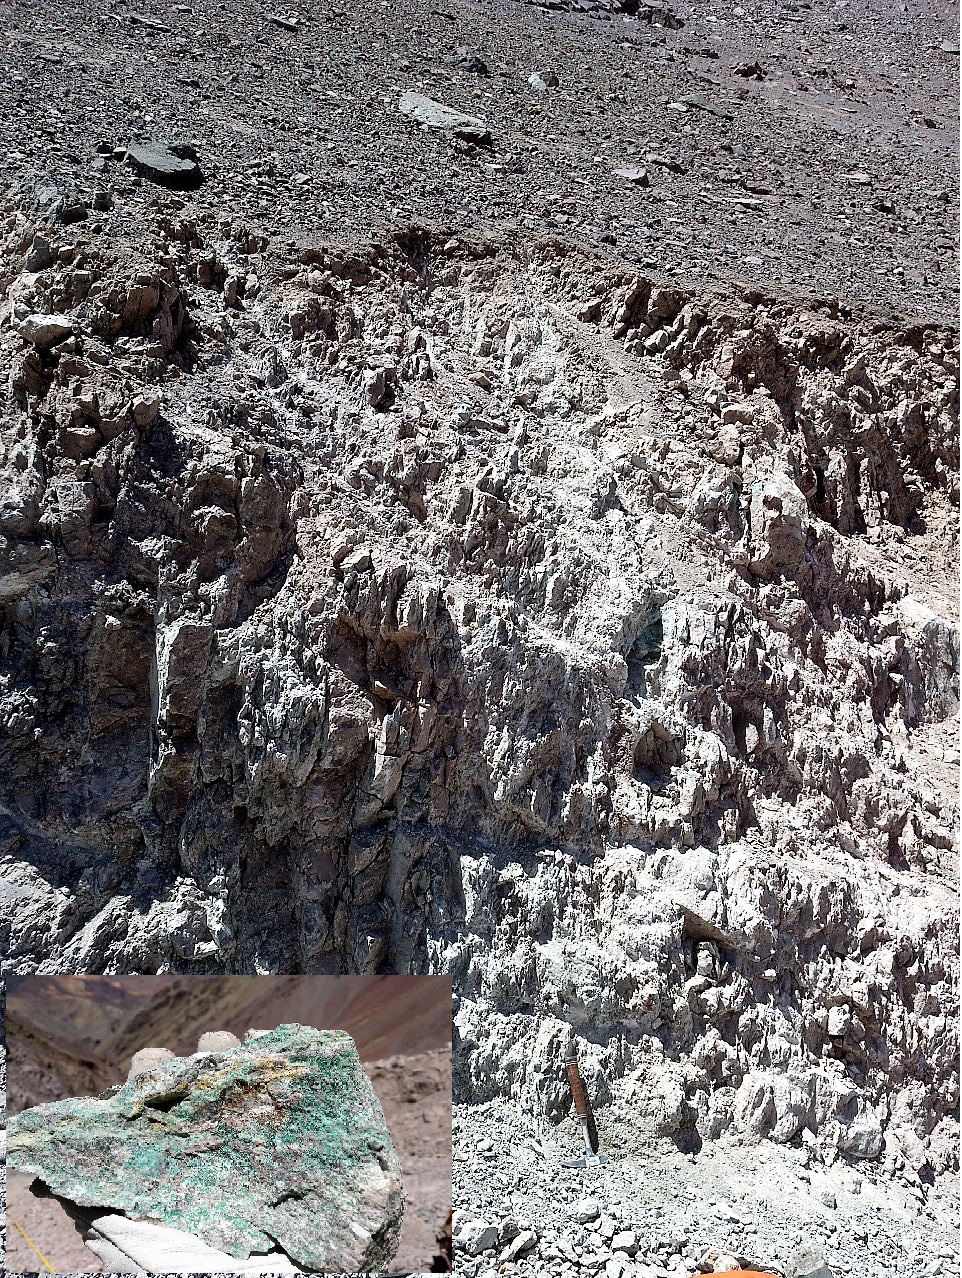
[[446, 606]]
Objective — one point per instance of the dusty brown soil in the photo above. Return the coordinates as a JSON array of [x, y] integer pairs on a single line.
[[416, 1094], [48, 1227]]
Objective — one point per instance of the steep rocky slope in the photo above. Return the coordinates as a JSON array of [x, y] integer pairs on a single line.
[[481, 577], [459, 606], [810, 142]]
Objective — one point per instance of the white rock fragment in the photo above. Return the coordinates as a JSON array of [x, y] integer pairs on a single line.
[[146, 1059], [217, 1041], [586, 1209], [135, 1246], [475, 1237], [45, 330], [435, 115]]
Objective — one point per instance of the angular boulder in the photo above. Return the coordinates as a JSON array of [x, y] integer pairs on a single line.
[[435, 115], [172, 164], [281, 1140], [45, 330]]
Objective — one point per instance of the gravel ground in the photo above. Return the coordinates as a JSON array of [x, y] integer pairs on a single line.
[[667, 1212], [808, 145]]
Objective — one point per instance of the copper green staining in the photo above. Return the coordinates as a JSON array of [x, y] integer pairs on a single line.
[[278, 1143]]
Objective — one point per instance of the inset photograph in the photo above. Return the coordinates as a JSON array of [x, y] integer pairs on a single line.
[[265, 1124]]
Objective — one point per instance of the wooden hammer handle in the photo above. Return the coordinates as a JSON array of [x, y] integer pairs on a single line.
[[577, 1089]]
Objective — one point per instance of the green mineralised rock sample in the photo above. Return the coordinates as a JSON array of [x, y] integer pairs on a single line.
[[281, 1140]]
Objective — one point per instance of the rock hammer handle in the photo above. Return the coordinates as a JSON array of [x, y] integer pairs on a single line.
[[577, 1088]]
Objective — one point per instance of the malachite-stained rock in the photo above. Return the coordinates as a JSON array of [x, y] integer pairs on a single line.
[[281, 1140]]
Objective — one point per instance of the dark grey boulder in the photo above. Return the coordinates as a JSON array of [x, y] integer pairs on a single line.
[[467, 59], [172, 164]]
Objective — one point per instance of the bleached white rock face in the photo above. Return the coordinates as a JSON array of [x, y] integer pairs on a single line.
[[444, 607]]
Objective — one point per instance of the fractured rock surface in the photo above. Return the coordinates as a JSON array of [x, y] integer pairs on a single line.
[[631, 616], [460, 598], [279, 1141]]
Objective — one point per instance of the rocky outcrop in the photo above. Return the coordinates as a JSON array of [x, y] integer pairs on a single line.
[[436, 605]]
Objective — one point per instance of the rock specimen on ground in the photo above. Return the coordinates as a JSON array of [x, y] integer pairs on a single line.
[[279, 1141], [174, 164], [435, 115]]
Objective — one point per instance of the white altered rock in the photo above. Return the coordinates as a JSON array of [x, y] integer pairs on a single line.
[[625, 1240], [839, 1019], [520, 1245], [808, 1263], [778, 514], [586, 1209], [475, 1237], [45, 330], [217, 1041], [146, 1059], [435, 115], [158, 1249]]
